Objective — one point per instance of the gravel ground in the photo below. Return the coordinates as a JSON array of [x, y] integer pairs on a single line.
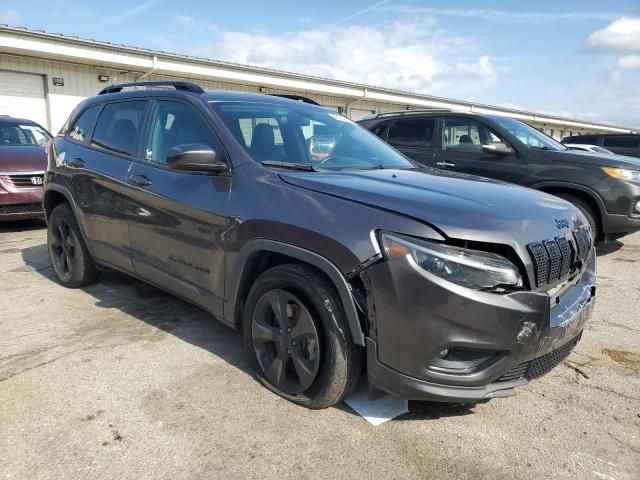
[[121, 380]]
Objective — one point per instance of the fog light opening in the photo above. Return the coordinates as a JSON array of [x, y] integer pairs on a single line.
[[636, 207], [462, 360]]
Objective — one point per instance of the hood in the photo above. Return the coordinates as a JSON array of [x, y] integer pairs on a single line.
[[22, 159], [594, 158], [458, 205]]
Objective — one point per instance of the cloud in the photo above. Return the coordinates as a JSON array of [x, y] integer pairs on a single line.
[[163, 43], [186, 20], [362, 12], [405, 55], [132, 12], [622, 35], [500, 16], [629, 62], [8, 16]]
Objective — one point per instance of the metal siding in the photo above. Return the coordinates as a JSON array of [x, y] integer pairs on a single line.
[[81, 81]]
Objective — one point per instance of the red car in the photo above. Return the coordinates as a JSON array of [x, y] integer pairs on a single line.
[[22, 164]]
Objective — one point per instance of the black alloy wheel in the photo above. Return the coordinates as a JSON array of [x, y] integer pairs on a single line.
[[71, 261], [285, 341], [63, 247]]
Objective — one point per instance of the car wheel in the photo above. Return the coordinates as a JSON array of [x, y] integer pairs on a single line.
[[68, 253], [586, 210], [298, 339]]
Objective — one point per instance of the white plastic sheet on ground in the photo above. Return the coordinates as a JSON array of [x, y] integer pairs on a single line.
[[375, 406]]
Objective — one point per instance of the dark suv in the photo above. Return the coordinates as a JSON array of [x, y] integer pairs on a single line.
[[444, 286], [606, 188], [620, 143]]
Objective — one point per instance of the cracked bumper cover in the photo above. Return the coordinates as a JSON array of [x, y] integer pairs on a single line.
[[417, 315]]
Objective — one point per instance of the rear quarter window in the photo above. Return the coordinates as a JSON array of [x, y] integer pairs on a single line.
[[588, 139], [622, 141], [83, 124], [415, 132]]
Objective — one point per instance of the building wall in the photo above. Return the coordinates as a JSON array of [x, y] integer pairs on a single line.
[[81, 81]]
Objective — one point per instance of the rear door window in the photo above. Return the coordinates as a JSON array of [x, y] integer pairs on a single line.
[[414, 132], [118, 127]]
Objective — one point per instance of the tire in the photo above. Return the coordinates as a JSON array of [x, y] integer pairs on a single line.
[[309, 359], [586, 209], [68, 252]]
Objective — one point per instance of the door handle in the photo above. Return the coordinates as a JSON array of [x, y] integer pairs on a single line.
[[139, 180], [445, 164], [76, 162]]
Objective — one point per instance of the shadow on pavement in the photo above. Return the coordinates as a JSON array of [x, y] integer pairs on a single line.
[[610, 246], [22, 225], [156, 308]]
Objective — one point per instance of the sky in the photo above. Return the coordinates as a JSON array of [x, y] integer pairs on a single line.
[[575, 58]]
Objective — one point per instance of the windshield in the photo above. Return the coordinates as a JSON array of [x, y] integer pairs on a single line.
[[306, 135], [14, 134], [528, 135]]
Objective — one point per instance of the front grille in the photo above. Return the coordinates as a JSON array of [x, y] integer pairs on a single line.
[[540, 366], [23, 181], [557, 258], [21, 208]]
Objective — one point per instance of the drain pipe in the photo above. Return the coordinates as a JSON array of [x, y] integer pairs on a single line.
[[153, 69], [348, 105]]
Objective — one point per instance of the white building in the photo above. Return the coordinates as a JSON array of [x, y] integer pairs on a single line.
[[43, 76]]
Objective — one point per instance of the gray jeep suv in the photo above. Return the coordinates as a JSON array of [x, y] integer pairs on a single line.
[[440, 285]]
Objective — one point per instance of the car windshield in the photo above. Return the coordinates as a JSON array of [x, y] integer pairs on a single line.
[[14, 134], [303, 136], [528, 135]]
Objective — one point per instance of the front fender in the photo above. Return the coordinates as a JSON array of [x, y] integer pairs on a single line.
[[318, 261]]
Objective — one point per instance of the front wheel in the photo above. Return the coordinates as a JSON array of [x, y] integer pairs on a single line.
[[297, 336], [68, 253]]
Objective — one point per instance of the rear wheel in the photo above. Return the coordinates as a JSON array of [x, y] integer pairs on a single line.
[[298, 339], [587, 211], [68, 253]]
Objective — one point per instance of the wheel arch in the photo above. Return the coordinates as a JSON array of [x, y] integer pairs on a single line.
[[589, 196], [261, 254], [581, 191], [56, 194]]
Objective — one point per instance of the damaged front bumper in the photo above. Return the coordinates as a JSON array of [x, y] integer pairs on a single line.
[[432, 340]]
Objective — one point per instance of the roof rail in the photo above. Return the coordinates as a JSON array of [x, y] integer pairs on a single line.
[[182, 86], [414, 112], [298, 98]]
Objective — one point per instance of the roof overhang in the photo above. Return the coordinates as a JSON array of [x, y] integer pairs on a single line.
[[62, 48]]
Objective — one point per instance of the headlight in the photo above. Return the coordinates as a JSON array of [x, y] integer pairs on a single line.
[[469, 268], [623, 173]]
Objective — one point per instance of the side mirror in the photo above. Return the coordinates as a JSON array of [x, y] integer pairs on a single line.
[[195, 158], [497, 149]]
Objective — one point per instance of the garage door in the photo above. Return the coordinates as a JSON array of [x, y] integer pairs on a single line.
[[356, 114], [22, 95]]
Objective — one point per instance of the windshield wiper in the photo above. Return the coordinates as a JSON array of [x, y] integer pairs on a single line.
[[290, 165], [542, 147], [364, 167]]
